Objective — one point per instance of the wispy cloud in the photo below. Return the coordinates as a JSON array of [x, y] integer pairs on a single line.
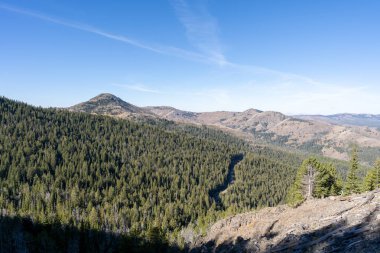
[[280, 75], [202, 31], [276, 90], [201, 28], [138, 87], [79, 26], [167, 50]]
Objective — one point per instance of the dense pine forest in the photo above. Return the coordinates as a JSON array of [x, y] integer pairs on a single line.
[[103, 173], [260, 181], [68, 172]]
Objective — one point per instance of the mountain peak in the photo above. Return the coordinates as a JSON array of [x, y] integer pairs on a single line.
[[252, 111], [109, 104], [105, 96]]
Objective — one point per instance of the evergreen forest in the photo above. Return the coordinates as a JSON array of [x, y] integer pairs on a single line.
[[68, 179]]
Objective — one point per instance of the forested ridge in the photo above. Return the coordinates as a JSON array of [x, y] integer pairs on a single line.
[[105, 173], [143, 179]]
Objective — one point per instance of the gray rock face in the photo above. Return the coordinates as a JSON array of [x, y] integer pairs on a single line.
[[337, 224]]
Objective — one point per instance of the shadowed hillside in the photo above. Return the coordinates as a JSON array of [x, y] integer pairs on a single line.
[[23, 235]]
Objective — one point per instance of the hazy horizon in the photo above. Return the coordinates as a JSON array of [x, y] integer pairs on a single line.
[[300, 58], [168, 105]]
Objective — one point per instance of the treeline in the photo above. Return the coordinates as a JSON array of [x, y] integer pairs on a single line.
[[128, 179], [203, 132], [105, 174]]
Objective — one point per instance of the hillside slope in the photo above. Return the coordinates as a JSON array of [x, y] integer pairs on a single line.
[[105, 173], [335, 224], [122, 175], [108, 104], [278, 129], [265, 127]]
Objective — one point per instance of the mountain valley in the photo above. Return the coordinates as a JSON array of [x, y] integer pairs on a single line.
[[157, 179]]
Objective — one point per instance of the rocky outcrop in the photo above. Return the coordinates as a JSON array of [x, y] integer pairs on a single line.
[[335, 224]]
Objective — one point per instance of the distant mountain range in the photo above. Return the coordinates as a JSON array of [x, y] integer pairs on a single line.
[[331, 136], [369, 120]]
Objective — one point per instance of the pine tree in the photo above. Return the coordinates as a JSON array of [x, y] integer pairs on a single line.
[[352, 183], [372, 180], [93, 218], [326, 182]]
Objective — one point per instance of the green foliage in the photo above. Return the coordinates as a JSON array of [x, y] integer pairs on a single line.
[[295, 195], [352, 184], [107, 174], [369, 154], [372, 180], [326, 182], [283, 141], [146, 179], [261, 179]]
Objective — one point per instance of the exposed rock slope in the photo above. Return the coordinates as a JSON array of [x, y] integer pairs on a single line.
[[276, 128], [335, 224]]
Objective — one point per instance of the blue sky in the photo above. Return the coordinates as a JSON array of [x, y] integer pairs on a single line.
[[294, 56]]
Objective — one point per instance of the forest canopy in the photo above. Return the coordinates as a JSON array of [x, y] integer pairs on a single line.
[[146, 179]]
